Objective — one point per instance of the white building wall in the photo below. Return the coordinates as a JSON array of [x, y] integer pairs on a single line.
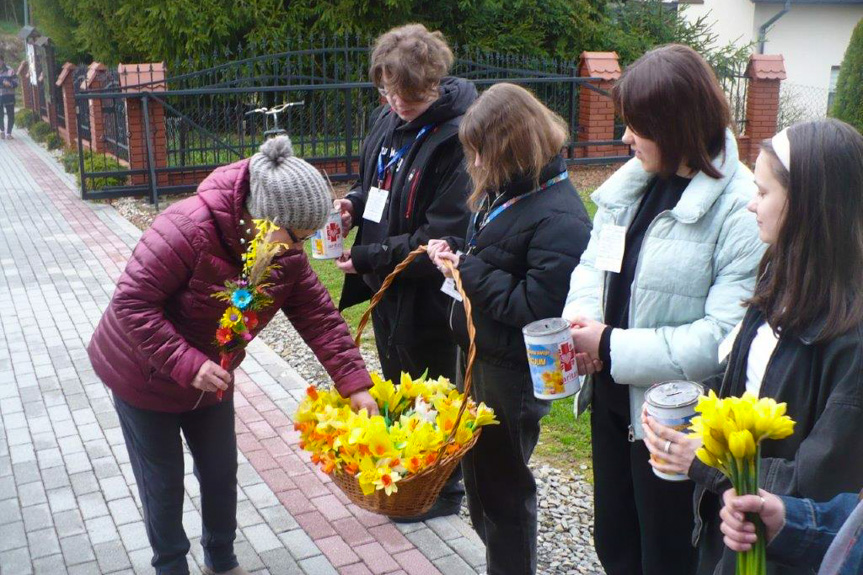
[[812, 38]]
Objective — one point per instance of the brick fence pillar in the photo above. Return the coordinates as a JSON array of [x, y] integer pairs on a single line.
[[765, 73], [145, 78], [95, 80], [595, 110], [66, 83], [24, 84]]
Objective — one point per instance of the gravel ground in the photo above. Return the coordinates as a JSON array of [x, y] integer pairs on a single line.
[[565, 543]]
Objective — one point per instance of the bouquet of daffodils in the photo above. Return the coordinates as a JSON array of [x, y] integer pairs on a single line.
[[731, 431], [416, 419]]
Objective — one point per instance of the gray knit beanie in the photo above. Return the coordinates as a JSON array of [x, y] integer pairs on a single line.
[[286, 190]]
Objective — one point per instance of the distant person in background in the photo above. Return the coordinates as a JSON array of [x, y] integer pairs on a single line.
[[8, 84]]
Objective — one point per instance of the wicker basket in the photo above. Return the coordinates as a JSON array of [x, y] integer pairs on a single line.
[[416, 493]]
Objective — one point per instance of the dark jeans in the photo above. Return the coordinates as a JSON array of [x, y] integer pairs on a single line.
[[501, 490], [642, 524], [439, 358], [7, 106], [156, 454]]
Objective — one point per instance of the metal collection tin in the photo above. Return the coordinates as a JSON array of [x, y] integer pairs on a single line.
[[551, 357], [672, 404], [327, 241]]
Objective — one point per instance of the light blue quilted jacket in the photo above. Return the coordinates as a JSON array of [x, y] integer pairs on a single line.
[[698, 263]]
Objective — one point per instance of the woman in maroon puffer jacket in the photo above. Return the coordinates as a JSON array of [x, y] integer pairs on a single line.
[[155, 345]]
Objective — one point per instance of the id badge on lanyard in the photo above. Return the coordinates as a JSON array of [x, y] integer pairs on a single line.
[[378, 197]]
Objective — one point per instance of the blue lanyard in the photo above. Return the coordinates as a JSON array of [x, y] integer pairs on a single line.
[[382, 169], [509, 203]]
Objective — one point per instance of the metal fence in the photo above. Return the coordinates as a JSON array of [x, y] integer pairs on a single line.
[[735, 87], [798, 103], [210, 120], [82, 107]]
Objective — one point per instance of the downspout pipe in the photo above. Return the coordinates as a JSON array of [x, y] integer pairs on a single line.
[[762, 30]]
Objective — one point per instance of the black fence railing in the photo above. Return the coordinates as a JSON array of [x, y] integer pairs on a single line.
[[212, 117], [735, 87], [82, 107]]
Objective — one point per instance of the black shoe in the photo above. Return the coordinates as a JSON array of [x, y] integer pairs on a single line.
[[442, 507]]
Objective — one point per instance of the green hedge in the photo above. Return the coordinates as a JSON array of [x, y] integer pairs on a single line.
[[848, 105], [41, 131], [26, 118]]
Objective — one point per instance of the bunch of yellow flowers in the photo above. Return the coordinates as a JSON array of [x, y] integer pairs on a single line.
[[731, 431], [416, 418]]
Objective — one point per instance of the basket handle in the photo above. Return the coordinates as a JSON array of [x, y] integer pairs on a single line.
[[471, 332]]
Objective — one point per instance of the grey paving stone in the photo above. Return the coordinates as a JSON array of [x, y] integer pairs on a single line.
[[49, 458], [18, 436], [247, 556], [115, 437], [22, 453], [77, 549], [472, 553], [299, 544], [97, 448], [124, 511], [12, 536], [77, 463], [279, 561], [432, 546], [15, 562], [61, 499], [77, 401], [317, 566], [43, 542], [70, 445], [65, 429], [192, 523], [262, 538], [443, 528], [39, 424], [89, 568], [453, 565], [105, 467], [51, 565], [247, 515], [278, 518], [112, 556], [37, 517], [114, 487], [10, 511], [83, 416], [32, 494], [261, 495], [56, 478], [69, 523], [90, 432], [83, 483], [134, 536], [15, 421], [5, 466], [43, 441], [141, 559], [102, 529], [92, 505]]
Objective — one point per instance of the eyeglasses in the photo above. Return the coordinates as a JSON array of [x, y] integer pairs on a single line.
[[297, 240]]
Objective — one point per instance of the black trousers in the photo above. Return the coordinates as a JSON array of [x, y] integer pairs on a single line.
[[7, 106], [501, 490], [156, 453], [642, 524]]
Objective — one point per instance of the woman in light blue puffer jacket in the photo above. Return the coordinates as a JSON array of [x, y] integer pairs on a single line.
[[653, 304]]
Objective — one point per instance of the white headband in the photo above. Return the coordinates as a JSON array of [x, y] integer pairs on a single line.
[[782, 147]]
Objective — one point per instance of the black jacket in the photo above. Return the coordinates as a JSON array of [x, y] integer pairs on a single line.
[[519, 270], [823, 387], [428, 199]]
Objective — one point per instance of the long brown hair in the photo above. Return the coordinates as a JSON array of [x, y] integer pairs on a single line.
[[672, 97], [513, 134], [815, 268]]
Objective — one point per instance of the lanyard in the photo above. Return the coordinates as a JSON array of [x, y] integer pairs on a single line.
[[509, 203], [382, 168]]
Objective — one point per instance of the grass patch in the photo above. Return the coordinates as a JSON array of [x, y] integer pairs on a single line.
[[333, 279], [9, 28]]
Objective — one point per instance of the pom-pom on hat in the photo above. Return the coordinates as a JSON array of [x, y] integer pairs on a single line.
[[286, 190]]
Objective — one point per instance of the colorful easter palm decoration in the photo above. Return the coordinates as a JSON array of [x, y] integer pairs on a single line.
[[416, 419], [731, 431], [246, 295]]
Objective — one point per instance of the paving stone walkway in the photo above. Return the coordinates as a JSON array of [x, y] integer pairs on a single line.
[[68, 500]]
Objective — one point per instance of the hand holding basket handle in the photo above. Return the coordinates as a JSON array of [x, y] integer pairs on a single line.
[[471, 356]]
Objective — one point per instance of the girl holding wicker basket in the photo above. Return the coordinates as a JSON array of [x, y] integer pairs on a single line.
[[528, 230]]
